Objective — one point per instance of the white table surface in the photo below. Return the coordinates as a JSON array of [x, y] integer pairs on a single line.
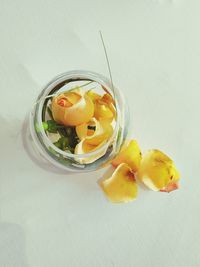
[[49, 218]]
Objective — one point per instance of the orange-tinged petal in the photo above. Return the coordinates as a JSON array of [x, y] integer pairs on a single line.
[[103, 132], [90, 132], [157, 171], [89, 143], [81, 130], [113, 110], [107, 98], [130, 154], [94, 96], [73, 97], [72, 108], [88, 147], [102, 111], [104, 105], [63, 102], [121, 186], [83, 147], [170, 187]]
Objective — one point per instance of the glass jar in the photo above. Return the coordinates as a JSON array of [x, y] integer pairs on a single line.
[[63, 159]]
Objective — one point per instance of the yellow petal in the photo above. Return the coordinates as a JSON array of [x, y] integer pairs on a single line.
[[83, 147], [103, 131], [113, 110], [170, 187], [107, 98], [121, 186], [90, 143], [104, 105], [102, 111], [157, 171], [83, 131], [129, 154], [90, 132], [93, 96], [72, 108], [86, 147], [73, 97], [63, 102]]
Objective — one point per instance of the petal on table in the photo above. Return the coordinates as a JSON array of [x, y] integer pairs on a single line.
[[121, 185], [158, 172], [129, 154], [170, 187]]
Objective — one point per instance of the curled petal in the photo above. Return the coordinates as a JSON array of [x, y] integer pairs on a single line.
[[158, 171], [102, 111], [83, 147], [72, 108], [170, 187], [104, 106], [95, 131], [121, 186], [93, 96], [87, 129], [107, 98], [129, 154], [94, 139], [103, 132]]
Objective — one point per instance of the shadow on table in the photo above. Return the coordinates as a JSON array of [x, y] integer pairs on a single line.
[[32, 152], [12, 245]]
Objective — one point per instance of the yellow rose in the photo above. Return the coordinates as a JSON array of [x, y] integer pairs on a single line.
[[104, 106], [72, 108], [93, 135]]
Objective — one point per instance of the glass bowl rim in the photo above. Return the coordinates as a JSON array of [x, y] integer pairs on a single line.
[[99, 78]]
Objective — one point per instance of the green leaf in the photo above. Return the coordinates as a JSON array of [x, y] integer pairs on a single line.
[[64, 141], [63, 144], [58, 144], [52, 126], [45, 125], [39, 129]]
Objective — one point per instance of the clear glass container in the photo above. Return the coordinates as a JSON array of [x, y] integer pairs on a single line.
[[63, 159]]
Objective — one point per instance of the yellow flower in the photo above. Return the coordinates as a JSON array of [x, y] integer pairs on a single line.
[[158, 172], [72, 108], [93, 135], [104, 106]]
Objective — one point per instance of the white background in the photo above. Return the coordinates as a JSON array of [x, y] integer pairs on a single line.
[[53, 219]]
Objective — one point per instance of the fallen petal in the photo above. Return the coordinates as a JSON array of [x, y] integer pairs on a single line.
[[158, 172], [129, 154], [170, 187], [121, 186]]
